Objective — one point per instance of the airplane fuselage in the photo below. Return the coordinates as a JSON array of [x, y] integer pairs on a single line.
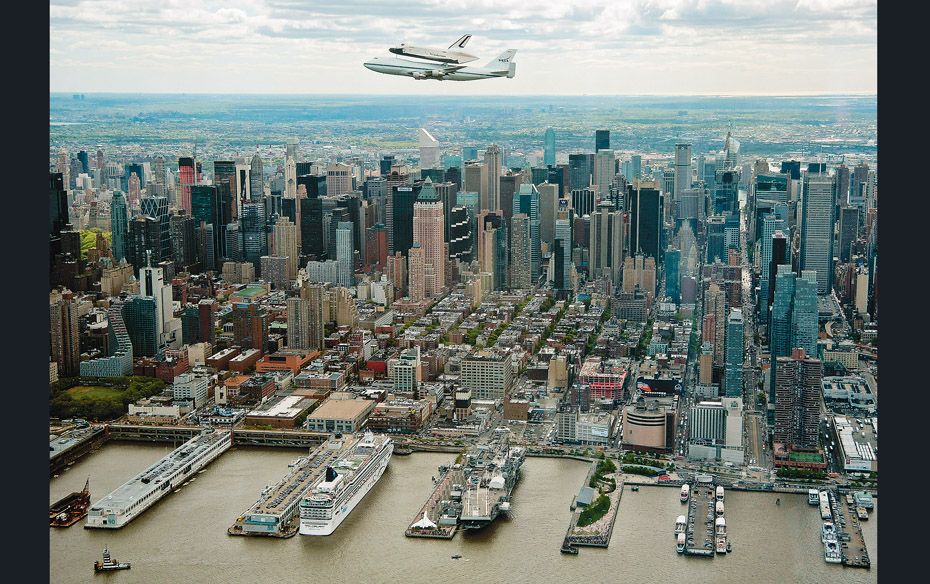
[[421, 70]]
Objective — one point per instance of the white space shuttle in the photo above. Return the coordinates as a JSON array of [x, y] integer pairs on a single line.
[[440, 55]]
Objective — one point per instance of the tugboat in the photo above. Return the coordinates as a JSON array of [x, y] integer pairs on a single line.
[[109, 564]]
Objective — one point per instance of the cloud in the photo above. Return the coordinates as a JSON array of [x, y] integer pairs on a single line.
[[599, 46]]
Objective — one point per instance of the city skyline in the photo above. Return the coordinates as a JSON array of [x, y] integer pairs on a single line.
[[598, 48]]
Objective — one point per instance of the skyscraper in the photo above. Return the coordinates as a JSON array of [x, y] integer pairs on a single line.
[[65, 333], [645, 203], [779, 256], [848, 231], [526, 201], [400, 220], [119, 225], [256, 177], [804, 325], [770, 224], [152, 285], [428, 228], [549, 147], [733, 369], [817, 225], [285, 244], [673, 274], [682, 169], [338, 179], [604, 164], [601, 140], [580, 170], [429, 149], [345, 253], [606, 243], [797, 401], [583, 201], [548, 207], [562, 253], [520, 260], [476, 180], [157, 208], [186, 178], [184, 246], [492, 158], [780, 317]]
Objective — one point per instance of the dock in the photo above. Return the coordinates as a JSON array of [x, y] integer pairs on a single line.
[[849, 533], [699, 532], [67, 448], [276, 513], [438, 517], [598, 533]]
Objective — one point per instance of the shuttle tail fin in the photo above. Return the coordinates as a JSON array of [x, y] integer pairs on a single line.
[[460, 44]]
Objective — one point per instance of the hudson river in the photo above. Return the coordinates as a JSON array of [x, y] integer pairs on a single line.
[[182, 538]]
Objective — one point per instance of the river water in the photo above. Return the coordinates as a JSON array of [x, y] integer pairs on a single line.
[[183, 537]]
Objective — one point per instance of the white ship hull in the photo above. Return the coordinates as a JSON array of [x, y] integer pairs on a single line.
[[341, 511], [117, 520]]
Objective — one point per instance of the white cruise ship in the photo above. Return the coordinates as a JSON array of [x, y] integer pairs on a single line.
[[345, 483], [138, 494]]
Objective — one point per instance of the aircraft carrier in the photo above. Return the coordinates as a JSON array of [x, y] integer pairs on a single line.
[[490, 470]]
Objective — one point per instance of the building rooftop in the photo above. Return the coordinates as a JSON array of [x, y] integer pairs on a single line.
[[287, 407], [342, 409]]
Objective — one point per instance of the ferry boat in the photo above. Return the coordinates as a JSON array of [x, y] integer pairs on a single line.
[[142, 491], [862, 513], [825, 512], [680, 524], [831, 553], [71, 509], [109, 564], [813, 497], [828, 532], [720, 534], [719, 508], [344, 484], [864, 499], [685, 492], [719, 493], [680, 545], [491, 471]]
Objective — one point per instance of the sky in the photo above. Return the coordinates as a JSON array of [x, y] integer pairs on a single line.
[[564, 47]]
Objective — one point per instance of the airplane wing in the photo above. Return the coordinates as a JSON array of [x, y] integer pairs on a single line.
[[460, 44], [437, 73]]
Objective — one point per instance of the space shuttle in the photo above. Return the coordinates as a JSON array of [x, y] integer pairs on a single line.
[[450, 55]]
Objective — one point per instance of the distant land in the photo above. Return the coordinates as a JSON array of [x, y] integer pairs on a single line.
[[773, 125]]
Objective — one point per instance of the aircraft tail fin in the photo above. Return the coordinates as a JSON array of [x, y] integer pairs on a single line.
[[502, 62], [460, 44]]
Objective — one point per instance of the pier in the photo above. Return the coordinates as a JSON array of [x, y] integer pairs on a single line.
[[438, 518], [66, 449], [596, 534], [699, 532], [849, 532], [277, 513]]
